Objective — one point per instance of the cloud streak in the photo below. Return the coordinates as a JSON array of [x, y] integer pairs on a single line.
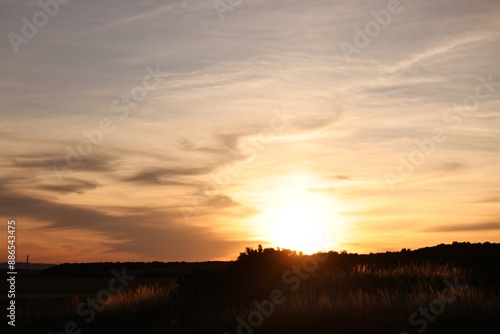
[[488, 226]]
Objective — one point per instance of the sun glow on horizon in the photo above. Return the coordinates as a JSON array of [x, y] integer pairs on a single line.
[[301, 216]]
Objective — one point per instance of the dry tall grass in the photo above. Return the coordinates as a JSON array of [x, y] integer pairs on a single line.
[[334, 299]]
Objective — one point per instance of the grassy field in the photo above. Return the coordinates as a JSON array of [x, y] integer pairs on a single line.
[[279, 292]]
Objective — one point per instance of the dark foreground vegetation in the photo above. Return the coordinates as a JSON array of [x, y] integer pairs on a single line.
[[443, 289]]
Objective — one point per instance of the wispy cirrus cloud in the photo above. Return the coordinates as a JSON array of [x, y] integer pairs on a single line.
[[488, 226], [163, 237]]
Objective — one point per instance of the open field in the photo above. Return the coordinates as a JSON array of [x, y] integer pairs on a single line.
[[270, 291]]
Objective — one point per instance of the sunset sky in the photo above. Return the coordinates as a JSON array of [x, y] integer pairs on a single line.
[[190, 129]]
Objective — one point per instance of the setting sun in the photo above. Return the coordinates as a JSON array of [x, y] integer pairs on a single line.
[[300, 216]]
